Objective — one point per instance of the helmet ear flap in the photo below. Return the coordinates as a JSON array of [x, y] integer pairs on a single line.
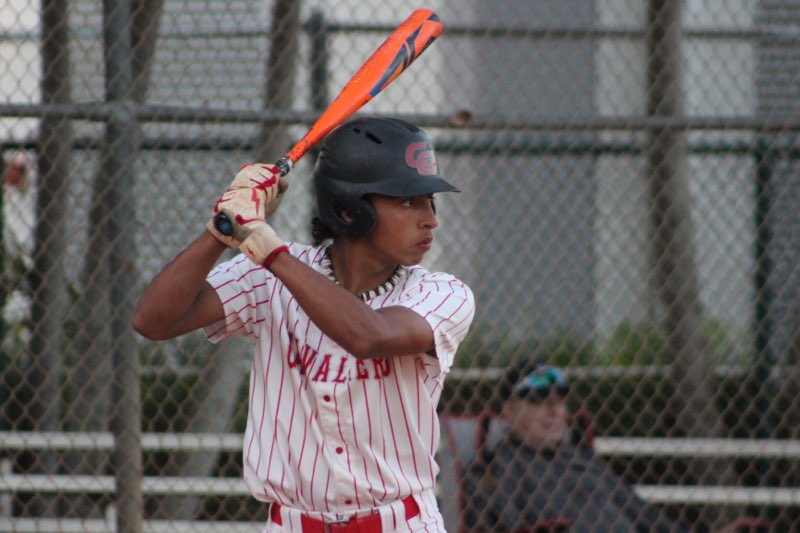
[[338, 208], [363, 218]]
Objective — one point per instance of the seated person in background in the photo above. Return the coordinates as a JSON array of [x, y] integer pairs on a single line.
[[535, 476]]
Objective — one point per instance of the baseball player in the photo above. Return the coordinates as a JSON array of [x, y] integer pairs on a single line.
[[352, 337]]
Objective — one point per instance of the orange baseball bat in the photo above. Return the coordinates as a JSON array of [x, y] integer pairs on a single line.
[[386, 63]]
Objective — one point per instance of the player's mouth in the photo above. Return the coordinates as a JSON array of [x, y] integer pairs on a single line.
[[425, 244]]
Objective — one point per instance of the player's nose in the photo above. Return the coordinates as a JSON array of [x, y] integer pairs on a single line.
[[428, 218]]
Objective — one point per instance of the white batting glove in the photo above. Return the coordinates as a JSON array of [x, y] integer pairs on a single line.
[[262, 177], [259, 242], [254, 194], [254, 238]]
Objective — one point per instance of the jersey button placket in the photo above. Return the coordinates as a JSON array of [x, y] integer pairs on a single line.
[[330, 418]]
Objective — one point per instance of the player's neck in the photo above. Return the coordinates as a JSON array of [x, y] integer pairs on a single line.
[[359, 273]]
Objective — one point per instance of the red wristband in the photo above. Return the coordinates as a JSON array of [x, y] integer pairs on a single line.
[[273, 254]]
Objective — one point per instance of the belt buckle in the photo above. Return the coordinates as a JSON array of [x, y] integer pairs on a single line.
[[330, 526]]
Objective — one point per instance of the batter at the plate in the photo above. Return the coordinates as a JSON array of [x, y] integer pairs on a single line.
[[352, 337]]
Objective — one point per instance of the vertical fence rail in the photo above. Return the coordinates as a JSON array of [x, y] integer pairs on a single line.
[[117, 174], [49, 296]]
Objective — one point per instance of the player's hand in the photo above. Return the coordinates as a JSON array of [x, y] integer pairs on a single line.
[[254, 194], [254, 238], [258, 241]]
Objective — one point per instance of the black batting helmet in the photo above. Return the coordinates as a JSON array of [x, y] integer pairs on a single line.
[[372, 156]]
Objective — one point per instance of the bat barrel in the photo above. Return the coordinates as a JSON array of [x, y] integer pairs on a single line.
[[412, 37]]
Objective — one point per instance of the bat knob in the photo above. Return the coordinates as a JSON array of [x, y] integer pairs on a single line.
[[223, 224], [284, 164]]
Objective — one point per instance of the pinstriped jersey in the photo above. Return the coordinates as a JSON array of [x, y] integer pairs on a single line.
[[326, 431]]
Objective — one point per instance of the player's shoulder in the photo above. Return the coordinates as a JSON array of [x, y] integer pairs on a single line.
[[418, 273], [420, 278]]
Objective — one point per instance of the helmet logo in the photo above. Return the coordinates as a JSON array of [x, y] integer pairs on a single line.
[[420, 157]]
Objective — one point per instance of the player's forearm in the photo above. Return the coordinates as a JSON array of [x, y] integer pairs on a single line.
[[172, 303], [342, 316]]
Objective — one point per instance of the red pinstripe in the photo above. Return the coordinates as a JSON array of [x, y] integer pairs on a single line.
[[371, 447], [406, 422]]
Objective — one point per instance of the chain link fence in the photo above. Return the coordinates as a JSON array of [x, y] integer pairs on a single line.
[[629, 213]]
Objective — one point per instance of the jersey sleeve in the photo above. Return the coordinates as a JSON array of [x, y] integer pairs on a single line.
[[447, 304], [241, 286]]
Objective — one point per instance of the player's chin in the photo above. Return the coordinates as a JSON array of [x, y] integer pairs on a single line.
[[416, 254], [411, 259]]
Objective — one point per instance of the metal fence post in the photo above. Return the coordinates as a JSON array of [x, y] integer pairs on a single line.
[[117, 168], [318, 31], [49, 302], [765, 387], [3, 297]]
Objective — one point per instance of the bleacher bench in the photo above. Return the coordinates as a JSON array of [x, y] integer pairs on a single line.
[[11, 482]]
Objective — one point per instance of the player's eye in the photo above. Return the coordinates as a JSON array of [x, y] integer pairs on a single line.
[[419, 202]]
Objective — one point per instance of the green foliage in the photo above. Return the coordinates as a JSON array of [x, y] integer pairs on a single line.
[[166, 400], [483, 350], [630, 344], [624, 378], [154, 354], [728, 344], [634, 344], [477, 349], [169, 389]]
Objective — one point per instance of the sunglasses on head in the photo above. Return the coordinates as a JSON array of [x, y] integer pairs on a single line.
[[538, 385]]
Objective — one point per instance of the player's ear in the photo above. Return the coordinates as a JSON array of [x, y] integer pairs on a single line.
[[344, 215]]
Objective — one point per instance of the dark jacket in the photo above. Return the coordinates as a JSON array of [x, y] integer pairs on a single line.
[[515, 487]]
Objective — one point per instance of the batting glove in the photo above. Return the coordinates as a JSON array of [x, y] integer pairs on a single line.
[[259, 242], [254, 194]]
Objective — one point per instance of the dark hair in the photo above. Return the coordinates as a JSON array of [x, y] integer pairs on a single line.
[[320, 232]]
